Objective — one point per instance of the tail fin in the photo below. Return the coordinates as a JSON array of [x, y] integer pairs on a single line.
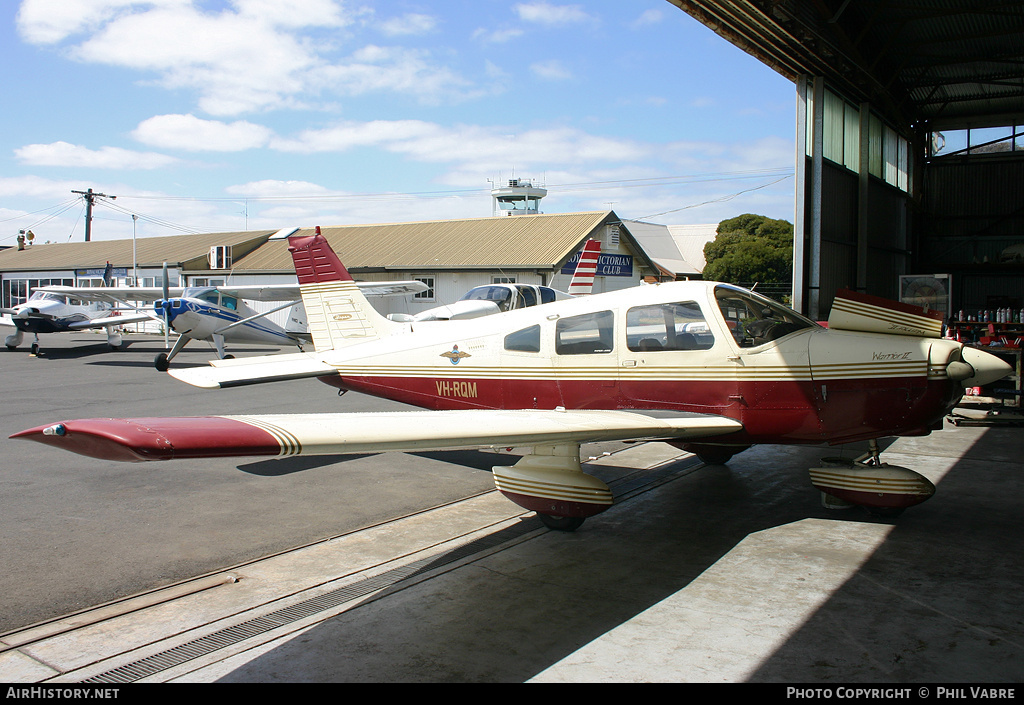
[[583, 278], [337, 311]]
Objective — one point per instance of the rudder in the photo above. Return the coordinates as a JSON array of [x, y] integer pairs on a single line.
[[337, 312]]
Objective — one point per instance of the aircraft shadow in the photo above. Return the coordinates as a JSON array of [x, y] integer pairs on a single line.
[[509, 615], [277, 467], [476, 460], [939, 601]]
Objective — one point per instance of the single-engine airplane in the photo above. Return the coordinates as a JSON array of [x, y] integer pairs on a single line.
[[709, 367], [47, 312], [496, 298], [220, 314]]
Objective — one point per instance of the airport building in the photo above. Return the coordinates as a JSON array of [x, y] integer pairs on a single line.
[[450, 256]]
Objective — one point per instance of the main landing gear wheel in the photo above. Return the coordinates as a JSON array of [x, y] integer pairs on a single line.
[[560, 523], [161, 362], [35, 349], [713, 455]]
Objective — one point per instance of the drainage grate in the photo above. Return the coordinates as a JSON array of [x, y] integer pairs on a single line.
[[229, 636]]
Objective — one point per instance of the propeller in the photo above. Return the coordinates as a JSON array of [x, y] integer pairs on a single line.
[[165, 304]]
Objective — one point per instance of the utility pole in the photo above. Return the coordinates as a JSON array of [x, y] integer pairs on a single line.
[[90, 197]]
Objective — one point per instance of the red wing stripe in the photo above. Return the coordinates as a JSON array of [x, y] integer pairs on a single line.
[[158, 438]]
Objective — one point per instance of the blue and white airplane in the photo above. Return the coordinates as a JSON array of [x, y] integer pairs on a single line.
[[220, 314]]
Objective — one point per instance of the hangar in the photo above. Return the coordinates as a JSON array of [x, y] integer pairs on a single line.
[[910, 143]]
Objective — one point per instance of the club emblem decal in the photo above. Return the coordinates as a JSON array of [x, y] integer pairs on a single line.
[[455, 354]]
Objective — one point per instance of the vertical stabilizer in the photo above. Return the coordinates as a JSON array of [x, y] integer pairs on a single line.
[[337, 312], [582, 282]]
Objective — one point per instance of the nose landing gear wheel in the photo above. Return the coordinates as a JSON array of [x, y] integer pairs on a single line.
[[161, 362], [560, 523]]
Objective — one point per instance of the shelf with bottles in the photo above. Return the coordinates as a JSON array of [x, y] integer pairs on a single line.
[[996, 328]]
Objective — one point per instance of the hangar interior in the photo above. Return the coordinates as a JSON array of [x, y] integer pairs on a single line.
[[910, 144]]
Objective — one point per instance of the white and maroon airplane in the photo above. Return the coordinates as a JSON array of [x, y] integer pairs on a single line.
[[709, 367], [497, 298]]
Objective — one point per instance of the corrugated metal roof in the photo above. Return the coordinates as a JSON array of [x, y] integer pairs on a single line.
[[950, 62], [514, 242], [187, 251], [525, 241]]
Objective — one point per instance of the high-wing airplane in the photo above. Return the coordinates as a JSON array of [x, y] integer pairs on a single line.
[[220, 314], [47, 312], [709, 367], [496, 298]]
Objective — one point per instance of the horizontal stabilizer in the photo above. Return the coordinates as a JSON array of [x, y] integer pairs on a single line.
[[254, 370], [328, 434]]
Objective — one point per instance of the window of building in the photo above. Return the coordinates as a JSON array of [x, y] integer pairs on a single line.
[[888, 152], [428, 294], [17, 291]]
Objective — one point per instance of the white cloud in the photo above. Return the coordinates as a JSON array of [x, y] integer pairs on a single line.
[[194, 134], [496, 36], [551, 15], [252, 55], [646, 18], [66, 154], [270, 188], [411, 23], [552, 70], [349, 135], [480, 148]]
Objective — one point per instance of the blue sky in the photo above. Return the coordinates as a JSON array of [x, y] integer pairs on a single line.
[[220, 115]]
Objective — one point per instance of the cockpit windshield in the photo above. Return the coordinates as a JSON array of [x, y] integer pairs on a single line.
[[755, 320], [500, 295], [45, 296]]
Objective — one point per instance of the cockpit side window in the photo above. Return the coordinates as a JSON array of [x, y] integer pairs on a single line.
[[525, 340], [529, 296], [674, 326], [755, 320], [585, 334], [229, 302]]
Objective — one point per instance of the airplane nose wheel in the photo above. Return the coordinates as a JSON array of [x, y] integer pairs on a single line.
[[558, 523], [161, 362]]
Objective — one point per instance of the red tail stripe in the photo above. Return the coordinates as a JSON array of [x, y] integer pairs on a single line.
[[315, 261]]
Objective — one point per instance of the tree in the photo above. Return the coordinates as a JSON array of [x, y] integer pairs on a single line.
[[750, 248]]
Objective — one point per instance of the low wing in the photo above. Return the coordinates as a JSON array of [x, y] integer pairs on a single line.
[[108, 321], [255, 370], [327, 434]]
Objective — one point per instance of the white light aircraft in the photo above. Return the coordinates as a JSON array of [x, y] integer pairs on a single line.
[[709, 367], [220, 314], [496, 298], [46, 312]]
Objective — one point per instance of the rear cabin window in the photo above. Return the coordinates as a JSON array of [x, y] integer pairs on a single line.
[[675, 326], [525, 340], [586, 334]]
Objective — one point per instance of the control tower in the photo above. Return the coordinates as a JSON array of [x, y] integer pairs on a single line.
[[519, 197]]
